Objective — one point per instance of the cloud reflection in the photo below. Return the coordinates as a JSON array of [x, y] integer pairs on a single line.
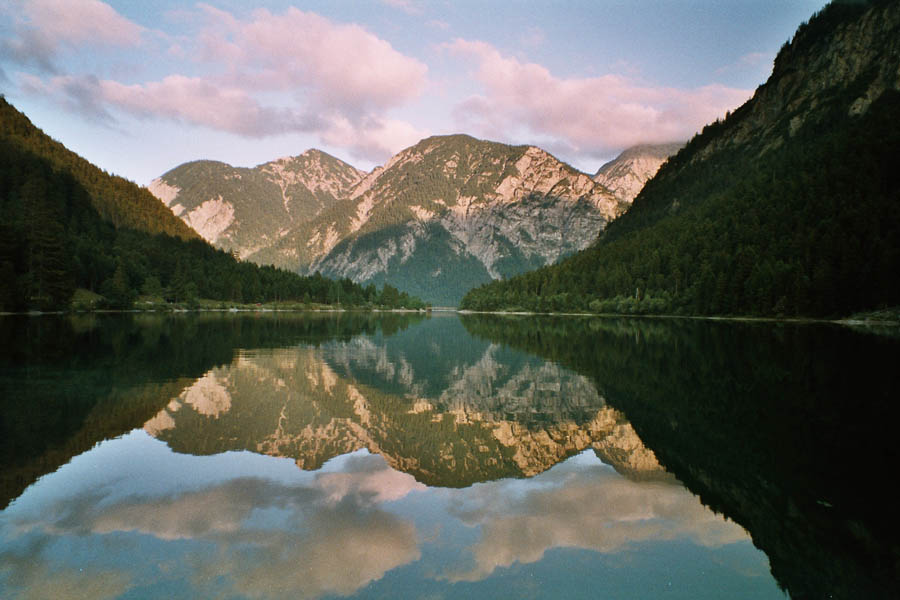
[[332, 532], [24, 576], [599, 510], [327, 535]]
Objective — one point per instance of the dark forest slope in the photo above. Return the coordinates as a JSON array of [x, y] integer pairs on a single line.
[[118, 200], [790, 206]]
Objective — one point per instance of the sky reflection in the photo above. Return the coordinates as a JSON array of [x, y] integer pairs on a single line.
[[133, 518]]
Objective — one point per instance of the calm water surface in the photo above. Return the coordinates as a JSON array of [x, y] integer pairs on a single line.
[[386, 456]]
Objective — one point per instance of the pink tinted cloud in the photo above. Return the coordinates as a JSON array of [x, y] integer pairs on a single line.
[[43, 26], [341, 66], [267, 74], [592, 115], [189, 100], [78, 95], [374, 139], [198, 101]]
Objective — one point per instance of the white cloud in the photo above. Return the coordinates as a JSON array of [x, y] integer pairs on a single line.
[[342, 66], [79, 95], [374, 139], [412, 7], [192, 100], [367, 476], [268, 74], [43, 26], [591, 115]]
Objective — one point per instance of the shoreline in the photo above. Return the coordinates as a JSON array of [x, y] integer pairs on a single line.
[[846, 321]]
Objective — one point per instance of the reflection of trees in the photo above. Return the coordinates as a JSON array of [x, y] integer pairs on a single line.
[[785, 428]]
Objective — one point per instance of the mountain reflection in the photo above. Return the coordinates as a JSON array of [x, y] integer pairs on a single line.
[[432, 463], [67, 383], [451, 412]]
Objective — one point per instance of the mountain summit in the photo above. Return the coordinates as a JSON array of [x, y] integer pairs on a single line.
[[626, 174], [244, 210], [453, 211]]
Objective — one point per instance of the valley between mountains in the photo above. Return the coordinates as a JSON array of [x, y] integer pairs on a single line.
[[787, 207], [443, 216]]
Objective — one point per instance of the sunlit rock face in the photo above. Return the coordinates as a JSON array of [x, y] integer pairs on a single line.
[[495, 419], [452, 212], [245, 210], [626, 175]]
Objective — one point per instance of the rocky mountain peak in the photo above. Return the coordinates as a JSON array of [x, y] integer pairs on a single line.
[[249, 209], [626, 174], [317, 171], [456, 208]]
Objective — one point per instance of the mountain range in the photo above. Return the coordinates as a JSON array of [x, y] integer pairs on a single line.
[[787, 207], [626, 174], [440, 217]]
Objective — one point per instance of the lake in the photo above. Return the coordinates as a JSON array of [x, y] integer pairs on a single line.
[[321, 455]]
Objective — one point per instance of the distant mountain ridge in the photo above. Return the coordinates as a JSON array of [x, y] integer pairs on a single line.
[[626, 174], [438, 218]]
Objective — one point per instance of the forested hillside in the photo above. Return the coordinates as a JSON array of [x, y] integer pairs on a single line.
[[790, 206], [54, 239], [746, 416], [116, 199]]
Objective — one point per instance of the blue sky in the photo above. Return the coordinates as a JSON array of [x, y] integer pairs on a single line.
[[140, 87]]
